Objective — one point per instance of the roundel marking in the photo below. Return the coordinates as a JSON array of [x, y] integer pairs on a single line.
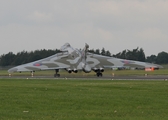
[[37, 64]]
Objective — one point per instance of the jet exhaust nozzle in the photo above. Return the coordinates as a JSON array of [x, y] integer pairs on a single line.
[[72, 70], [75, 70], [101, 69], [98, 69]]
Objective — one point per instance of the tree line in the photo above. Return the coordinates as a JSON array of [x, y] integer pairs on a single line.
[[23, 57], [139, 55], [11, 59]]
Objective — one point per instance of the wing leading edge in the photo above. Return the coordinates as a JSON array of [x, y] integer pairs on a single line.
[[98, 63], [73, 60]]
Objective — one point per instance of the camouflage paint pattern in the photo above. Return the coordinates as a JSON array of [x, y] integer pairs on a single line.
[[71, 59]]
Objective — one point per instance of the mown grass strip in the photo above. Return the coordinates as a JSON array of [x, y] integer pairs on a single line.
[[83, 99]]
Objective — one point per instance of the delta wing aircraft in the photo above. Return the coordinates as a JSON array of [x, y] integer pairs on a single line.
[[74, 60]]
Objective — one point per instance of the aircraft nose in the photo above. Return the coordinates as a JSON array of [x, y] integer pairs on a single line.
[[12, 70]]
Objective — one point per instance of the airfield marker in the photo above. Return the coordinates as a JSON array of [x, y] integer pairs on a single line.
[[146, 74], [32, 74], [113, 74]]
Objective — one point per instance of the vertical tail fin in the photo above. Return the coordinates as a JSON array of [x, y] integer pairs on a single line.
[[84, 52], [85, 66]]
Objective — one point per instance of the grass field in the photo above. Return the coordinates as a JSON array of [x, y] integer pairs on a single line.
[[54, 99]]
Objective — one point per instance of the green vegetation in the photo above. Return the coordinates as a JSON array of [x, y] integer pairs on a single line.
[[11, 59], [53, 99], [135, 54]]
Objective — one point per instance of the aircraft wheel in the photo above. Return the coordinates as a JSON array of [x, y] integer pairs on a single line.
[[56, 75], [99, 74]]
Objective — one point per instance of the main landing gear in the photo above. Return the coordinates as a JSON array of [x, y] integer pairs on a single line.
[[99, 74], [56, 73]]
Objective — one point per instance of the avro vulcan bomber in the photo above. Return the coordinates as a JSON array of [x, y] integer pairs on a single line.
[[74, 60]]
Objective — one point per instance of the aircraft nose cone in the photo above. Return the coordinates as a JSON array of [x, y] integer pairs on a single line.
[[12, 70]]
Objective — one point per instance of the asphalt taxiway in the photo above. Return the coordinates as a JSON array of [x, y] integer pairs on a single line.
[[147, 77]]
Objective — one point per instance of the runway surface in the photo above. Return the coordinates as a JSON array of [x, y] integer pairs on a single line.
[[150, 77]]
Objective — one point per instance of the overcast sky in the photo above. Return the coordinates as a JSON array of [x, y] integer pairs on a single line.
[[115, 25]]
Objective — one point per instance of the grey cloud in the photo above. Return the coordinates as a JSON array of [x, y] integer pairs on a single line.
[[113, 24]]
